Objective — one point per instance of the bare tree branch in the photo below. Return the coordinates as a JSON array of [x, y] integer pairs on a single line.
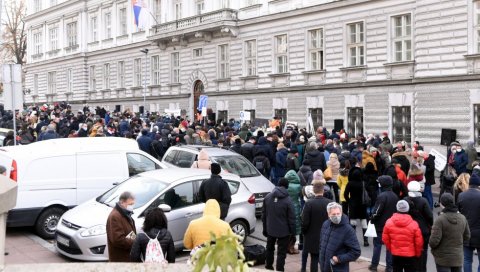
[[14, 46]]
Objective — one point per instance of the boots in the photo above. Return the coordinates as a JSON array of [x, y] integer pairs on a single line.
[[291, 246], [365, 239]]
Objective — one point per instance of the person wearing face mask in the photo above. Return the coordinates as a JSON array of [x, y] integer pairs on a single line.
[[83, 132], [338, 242], [121, 231], [460, 160]]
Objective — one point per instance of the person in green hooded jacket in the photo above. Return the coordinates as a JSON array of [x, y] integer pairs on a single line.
[[295, 193]]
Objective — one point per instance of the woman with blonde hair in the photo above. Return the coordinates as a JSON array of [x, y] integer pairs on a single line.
[[461, 185]]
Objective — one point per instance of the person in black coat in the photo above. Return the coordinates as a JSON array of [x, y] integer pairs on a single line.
[[385, 207], [469, 206], [278, 218], [353, 195], [237, 145], [397, 186], [429, 163], [145, 142], [338, 243], [316, 158], [264, 146], [154, 226], [313, 216], [216, 188], [247, 149], [371, 185]]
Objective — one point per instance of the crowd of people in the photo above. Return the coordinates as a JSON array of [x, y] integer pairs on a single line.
[[328, 183]]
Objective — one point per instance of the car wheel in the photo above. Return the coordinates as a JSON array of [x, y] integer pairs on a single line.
[[240, 228], [47, 222]]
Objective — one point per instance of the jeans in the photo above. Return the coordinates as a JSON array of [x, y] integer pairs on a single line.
[[427, 193], [281, 252], [407, 264], [314, 257], [448, 269], [468, 258], [377, 251]]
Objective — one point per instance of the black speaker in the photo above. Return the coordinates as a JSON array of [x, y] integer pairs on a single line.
[[448, 136], [140, 109], [338, 124], [118, 108]]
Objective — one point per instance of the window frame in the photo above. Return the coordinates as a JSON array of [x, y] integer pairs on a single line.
[[199, 7], [53, 38], [72, 34], [319, 51], [92, 78], [406, 37], [106, 76], [223, 61], [157, 10], [122, 21], [250, 60], [51, 82], [69, 80], [137, 72], [282, 114], [351, 123], [280, 53], [406, 126], [155, 69], [121, 74], [223, 114], [317, 118], [107, 23], [194, 53], [94, 28], [175, 67], [35, 84], [359, 44], [37, 40]]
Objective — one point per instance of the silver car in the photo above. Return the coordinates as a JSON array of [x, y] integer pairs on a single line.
[[81, 233], [231, 162]]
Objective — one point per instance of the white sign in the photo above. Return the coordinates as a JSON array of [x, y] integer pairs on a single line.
[[12, 86], [311, 129], [204, 111], [244, 116], [174, 112], [440, 159]]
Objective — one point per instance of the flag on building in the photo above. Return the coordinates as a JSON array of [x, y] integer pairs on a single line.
[[140, 13], [202, 103]]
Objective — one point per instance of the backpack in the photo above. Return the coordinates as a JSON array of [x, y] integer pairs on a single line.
[[255, 253], [259, 163], [154, 252], [290, 164]]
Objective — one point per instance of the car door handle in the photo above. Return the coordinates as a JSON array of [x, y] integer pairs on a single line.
[[115, 183], [189, 214]]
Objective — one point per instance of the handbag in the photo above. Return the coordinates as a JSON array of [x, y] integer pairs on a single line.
[[366, 200], [327, 174], [255, 253], [371, 231]]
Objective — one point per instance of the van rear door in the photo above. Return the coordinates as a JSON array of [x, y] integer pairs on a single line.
[[6, 160]]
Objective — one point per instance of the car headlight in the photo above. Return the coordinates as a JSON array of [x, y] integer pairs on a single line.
[[94, 231]]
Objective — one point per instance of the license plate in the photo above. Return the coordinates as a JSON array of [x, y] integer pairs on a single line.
[[259, 205], [63, 241]]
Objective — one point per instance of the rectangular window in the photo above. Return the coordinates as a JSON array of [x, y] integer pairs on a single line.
[[317, 116], [223, 115], [225, 4], [355, 121], [402, 123], [72, 34], [157, 8], [53, 3], [175, 66], [315, 49], [178, 11], [197, 53], [356, 44], [93, 29], [121, 74], [106, 76], [53, 35], [37, 43], [402, 37], [252, 115], [52, 82], [137, 72], [250, 2], [93, 79], [200, 6], [476, 18], [35, 84], [281, 58], [476, 112], [251, 58], [223, 61], [70, 80], [107, 22], [123, 21], [281, 114], [37, 5], [155, 64]]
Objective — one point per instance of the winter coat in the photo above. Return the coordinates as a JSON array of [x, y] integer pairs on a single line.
[[203, 162], [334, 164], [280, 162], [366, 158], [385, 207], [401, 176], [461, 161], [139, 247], [198, 231], [301, 151], [469, 205], [295, 193], [216, 188], [386, 145], [278, 214], [236, 148], [398, 187], [370, 176], [313, 216], [471, 154], [342, 182], [449, 232], [317, 160], [145, 143], [403, 159], [48, 135], [429, 170], [119, 225], [353, 194], [306, 175], [402, 236], [247, 151], [264, 146], [338, 240], [421, 212]]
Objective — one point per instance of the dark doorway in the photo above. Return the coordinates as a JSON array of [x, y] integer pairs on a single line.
[[198, 89]]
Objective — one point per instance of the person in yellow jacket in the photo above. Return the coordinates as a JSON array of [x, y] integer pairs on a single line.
[[342, 182], [198, 231]]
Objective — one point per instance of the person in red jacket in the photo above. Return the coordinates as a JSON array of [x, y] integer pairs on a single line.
[[402, 237]]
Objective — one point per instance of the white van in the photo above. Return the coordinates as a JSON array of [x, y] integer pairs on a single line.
[[55, 175]]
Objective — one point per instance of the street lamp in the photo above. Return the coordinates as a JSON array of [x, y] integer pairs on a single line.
[[145, 51]]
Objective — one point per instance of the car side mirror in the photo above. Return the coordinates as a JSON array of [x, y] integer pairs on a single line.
[[165, 207]]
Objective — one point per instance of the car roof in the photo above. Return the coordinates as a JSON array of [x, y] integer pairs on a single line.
[[211, 150], [171, 175]]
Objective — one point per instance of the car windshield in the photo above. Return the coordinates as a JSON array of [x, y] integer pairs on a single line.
[[143, 189], [237, 165]]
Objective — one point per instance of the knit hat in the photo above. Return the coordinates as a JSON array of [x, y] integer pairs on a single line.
[[318, 175], [402, 206], [447, 200], [385, 181], [215, 168], [414, 186], [372, 149], [475, 180]]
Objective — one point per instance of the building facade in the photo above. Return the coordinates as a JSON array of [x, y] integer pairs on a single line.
[[408, 67]]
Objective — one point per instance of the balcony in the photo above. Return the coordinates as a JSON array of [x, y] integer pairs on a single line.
[[199, 26]]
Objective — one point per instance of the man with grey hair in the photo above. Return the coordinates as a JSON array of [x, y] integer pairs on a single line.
[[121, 231], [338, 243], [50, 133]]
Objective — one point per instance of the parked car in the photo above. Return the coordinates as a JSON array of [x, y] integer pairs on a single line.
[[58, 174], [82, 235], [3, 134], [231, 162]]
